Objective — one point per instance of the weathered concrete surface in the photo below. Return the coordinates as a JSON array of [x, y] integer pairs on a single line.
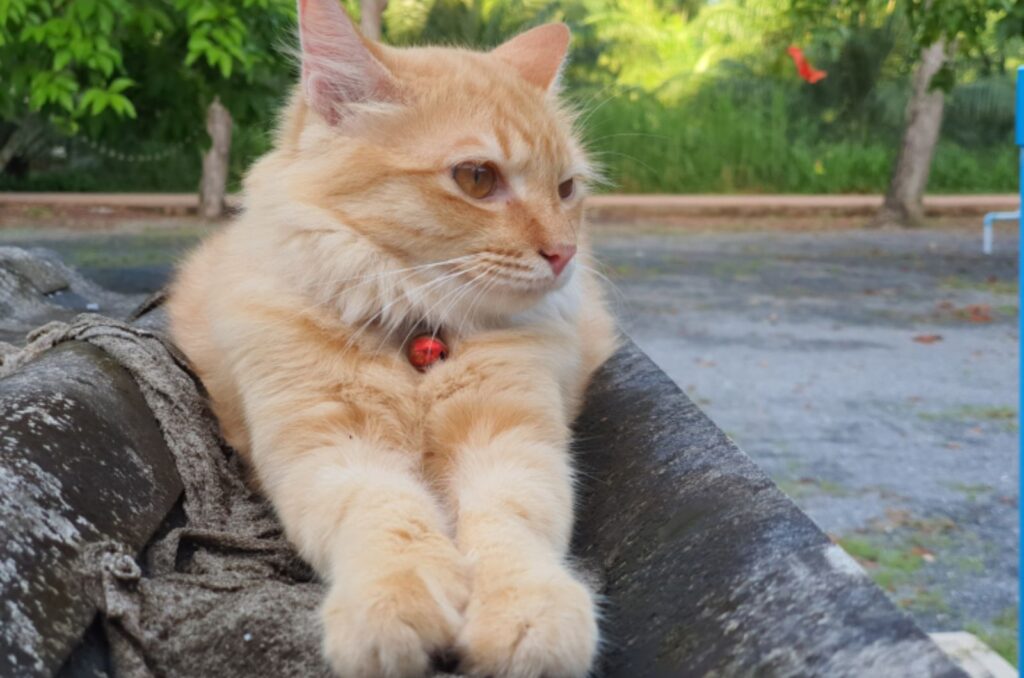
[[82, 464], [709, 569], [37, 287]]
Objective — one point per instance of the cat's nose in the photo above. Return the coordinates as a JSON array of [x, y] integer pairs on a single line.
[[558, 256]]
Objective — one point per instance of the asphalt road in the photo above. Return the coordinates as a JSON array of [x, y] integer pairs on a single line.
[[873, 374]]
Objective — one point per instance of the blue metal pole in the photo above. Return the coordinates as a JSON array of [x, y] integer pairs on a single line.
[[1020, 330]]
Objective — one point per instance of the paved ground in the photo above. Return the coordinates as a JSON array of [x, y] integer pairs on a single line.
[[873, 374]]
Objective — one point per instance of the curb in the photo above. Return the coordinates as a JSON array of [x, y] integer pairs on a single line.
[[598, 206]]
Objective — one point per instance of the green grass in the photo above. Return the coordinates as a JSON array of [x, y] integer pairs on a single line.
[[1000, 634], [972, 490], [889, 566], [759, 141], [993, 286], [806, 487], [738, 269], [894, 562], [1003, 415]]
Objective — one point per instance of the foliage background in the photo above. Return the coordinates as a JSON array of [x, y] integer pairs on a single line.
[[675, 95]]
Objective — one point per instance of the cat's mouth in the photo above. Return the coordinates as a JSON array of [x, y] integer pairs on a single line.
[[489, 286], [517, 277]]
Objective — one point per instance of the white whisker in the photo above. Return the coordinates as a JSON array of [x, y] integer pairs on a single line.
[[467, 288], [399, 322], [406, 295]]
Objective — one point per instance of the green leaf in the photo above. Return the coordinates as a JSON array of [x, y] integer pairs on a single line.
[[202, 14], [37, 99], [225, 65], [86, 8], [120, 85], [105, 63], [106, 19], [61, 59], [100, 103], [89, 100], [122, 106]]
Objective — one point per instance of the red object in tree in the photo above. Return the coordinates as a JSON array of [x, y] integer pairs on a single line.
[[806, 71], [425, 350]]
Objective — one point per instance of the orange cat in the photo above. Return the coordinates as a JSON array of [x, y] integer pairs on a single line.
[[414, 191]]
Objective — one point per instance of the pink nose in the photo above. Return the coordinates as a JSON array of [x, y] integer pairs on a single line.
[[558, 256]]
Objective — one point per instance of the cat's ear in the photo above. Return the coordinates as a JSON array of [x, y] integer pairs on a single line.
[[538, 54], [337, 66]]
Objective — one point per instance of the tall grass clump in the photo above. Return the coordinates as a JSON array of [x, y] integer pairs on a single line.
[[726, 111], [726, 139]]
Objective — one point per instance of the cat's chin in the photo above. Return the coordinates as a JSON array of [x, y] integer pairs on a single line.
[[506, 301]]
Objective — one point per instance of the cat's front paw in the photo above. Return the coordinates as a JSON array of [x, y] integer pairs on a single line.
[[541, 624], [391, 624]]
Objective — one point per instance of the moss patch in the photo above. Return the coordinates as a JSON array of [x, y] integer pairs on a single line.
[[889, 566], [805, 487], [992, 285], [1003, 415], [1000, 634], [740, 269], [972, 490]]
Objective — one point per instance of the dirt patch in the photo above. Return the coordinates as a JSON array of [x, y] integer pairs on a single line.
[[92, 218]]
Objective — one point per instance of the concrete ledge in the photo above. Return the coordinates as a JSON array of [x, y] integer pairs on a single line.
[[707, 568], [599, 206], [82, 464], [974, 656]]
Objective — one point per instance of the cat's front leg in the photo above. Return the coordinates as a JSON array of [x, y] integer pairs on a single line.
[[529, 615], [398, 587]]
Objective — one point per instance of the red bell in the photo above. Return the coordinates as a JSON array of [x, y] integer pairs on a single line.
[[425, 350]]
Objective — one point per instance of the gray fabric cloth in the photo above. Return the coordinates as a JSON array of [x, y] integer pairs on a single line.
[[222, 593]]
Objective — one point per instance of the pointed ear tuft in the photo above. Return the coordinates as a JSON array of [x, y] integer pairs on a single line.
[[337, 66], [538, 54]]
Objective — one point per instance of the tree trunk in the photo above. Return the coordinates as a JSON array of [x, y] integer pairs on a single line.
[[903, 202], [371, 12], [11, 147], [216, 162], [27, 133]]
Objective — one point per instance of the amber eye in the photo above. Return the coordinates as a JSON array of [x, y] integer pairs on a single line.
[[477, 181], [566, 188]]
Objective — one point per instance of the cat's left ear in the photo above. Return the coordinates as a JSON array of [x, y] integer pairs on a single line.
[[538, 54]]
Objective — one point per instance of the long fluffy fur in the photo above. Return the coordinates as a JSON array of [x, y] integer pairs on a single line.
[[438, 506]]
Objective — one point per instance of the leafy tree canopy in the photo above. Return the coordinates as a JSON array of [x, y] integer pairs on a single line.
[[91, 63], [968, 27]]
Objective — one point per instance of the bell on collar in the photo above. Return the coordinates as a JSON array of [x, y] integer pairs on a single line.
[[425, 350]]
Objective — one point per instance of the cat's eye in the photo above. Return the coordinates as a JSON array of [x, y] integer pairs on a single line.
[[566, 189], [477, 180]]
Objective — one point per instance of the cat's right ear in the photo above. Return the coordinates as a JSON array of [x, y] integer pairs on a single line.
[[338, 68]]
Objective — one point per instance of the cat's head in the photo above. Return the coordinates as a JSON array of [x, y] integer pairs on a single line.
[[441, 155]]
